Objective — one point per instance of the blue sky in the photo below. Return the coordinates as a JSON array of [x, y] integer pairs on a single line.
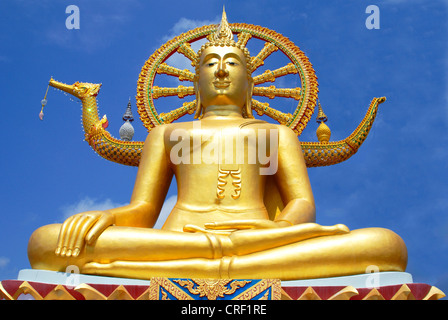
[[397, 180]]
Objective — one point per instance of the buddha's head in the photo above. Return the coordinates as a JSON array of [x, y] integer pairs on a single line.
[[223, 76]]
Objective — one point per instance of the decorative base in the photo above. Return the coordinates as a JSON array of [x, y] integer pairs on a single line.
[[214, 289], [47, 285]]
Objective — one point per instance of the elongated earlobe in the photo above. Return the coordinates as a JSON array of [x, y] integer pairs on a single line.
[[198, 113], [248, 106]]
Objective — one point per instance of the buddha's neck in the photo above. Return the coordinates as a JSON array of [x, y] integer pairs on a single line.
[[224, 112]]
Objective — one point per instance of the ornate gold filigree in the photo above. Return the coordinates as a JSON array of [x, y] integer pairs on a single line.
[[264, 108], [187, 51], [271, 76], [211, 288], [266, 287], [183, 75], [258, 60], [180, 91], [222, 182], [271, 92]]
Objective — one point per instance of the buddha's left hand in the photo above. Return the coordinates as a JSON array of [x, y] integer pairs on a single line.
[[226, 227]]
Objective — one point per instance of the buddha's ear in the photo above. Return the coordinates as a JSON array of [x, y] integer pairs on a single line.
[[198, 112], [248, 105]]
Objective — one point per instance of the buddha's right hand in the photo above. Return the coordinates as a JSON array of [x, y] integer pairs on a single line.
[[80, 229]]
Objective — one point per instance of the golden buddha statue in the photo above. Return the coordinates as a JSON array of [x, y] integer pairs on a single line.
[[220, 226]]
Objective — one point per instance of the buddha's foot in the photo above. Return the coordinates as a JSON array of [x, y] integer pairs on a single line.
[[198, 268], [336, 229], [94, 267]]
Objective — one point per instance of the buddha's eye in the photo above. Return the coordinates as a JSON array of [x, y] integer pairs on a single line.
[[231, 63], [211, 64]]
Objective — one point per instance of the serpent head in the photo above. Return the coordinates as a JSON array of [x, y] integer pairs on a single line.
[[78, 89]]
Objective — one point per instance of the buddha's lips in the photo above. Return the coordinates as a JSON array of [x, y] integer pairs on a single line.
[[221, 84]]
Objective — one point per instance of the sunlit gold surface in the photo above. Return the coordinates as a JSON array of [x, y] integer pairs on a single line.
[[230, 221]]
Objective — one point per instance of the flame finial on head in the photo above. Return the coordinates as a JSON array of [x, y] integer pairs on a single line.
[[223, 32]]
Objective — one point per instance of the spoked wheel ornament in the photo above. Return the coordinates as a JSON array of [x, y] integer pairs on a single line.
[[305, 96]]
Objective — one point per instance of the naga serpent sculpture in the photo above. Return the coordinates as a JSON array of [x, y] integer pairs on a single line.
[[316, 154]]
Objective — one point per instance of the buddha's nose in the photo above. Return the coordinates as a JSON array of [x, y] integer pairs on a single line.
[[221, 72]]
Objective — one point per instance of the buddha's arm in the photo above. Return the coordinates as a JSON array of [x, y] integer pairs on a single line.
[[293, 181], [152, 183], [151, 186]]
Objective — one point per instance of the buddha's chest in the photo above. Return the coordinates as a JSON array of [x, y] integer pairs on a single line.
[[228, 147]]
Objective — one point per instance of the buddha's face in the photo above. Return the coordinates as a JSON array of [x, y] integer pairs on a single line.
[[223, 77]]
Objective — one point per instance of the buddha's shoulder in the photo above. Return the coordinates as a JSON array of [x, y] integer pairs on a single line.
[[282, 129], [164, 129], [168, 130]]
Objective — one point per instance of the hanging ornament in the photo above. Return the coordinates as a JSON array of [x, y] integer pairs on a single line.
[[43, 103]]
